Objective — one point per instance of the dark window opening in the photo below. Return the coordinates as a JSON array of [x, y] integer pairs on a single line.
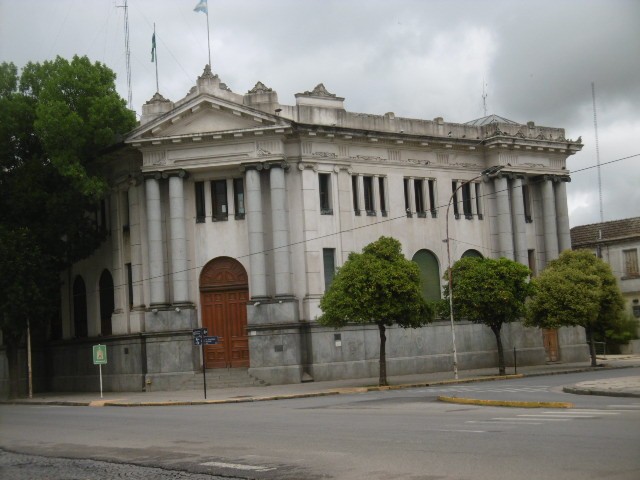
[[80, 308], [368, 196], [219, 200], [478, 201], [107, 302], [383, 197], [407, 198], [419, 197], [456, 212], [324, 184], [238, 198], [466, 201], [329, 260], [527, 203], [354, 189], [130, 284], [432, 198], [200, 203]]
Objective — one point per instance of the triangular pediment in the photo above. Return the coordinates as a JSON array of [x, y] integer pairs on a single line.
[[204, 115]]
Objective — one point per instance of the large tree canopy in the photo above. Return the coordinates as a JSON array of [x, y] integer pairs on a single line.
[[576, 289], [56, 120], [489, 292], [378, 286]]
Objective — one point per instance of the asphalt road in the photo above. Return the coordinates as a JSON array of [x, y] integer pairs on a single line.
[[377, 435]]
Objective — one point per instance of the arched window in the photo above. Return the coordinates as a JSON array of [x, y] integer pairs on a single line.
[[429, 274], [472, 253], [79, 308], [106, 302]]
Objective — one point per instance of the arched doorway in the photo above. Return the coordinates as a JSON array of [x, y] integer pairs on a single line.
[[107, 303], [429, 274], [224, 292]]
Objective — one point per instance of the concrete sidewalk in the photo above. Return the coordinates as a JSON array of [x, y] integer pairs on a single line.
[[631, 387]]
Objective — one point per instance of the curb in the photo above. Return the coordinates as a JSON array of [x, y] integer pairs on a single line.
[[505, 403], [604, 393]]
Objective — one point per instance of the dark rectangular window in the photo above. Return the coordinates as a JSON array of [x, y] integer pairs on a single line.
[[419, 196], [125, 211], [456, 212], [329, 260], [383, 197], [526, 199], [432, 198], [367, 183], [130, 284], [466, 201], [354, 189], [200, 204], [324, 185], [407, 198], [238, 198], [219, 200], [478, 200]]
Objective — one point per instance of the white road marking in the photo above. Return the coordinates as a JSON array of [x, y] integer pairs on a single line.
[[503, 422], [545, 418], [463, 431], [237, 466]]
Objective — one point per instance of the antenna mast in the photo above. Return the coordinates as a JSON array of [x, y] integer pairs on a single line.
[[595, 126], [127, 52]]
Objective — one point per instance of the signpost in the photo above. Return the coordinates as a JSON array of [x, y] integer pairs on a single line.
[[100, 358], [198, 335]]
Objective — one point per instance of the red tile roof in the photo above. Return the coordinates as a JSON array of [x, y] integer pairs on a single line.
[[586, 235]]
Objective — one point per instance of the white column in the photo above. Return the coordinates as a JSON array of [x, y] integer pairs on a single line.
[[154, 228], [376, 194], [345, 209], [256, 234], [412, 197], [519, 224], [472, 198], [280, 225], [136, 246], [361, 205], [178, 240], [549, 220], [562, 211], [505, 243]]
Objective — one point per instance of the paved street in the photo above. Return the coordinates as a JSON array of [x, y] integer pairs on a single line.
[[375, 435]]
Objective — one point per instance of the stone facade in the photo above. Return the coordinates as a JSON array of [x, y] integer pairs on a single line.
[[282, 194]]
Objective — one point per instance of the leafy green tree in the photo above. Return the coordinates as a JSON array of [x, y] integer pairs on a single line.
[[56, 120], [576, 289], [489, 292], [378, 286]]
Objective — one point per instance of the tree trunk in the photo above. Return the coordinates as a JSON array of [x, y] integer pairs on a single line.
[[501, 367], [592, 346], [383, 356]]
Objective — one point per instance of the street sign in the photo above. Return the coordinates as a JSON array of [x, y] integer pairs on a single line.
[[198, 334], [210, 340], [99, 354]]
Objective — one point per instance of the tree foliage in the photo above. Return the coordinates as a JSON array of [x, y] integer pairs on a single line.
[[378, 286], [577, 289], [56, 119], [489, 292]]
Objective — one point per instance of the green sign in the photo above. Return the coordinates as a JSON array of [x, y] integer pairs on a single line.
[[99, 354]]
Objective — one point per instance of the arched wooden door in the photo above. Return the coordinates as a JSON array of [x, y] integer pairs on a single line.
[[224, 292]]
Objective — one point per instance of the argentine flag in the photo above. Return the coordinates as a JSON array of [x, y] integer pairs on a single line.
[[202, 7]]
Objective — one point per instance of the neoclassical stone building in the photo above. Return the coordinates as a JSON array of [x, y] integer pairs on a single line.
[[232, 212]]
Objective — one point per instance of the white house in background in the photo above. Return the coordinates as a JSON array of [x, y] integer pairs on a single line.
[[232, 212], [617, 243]]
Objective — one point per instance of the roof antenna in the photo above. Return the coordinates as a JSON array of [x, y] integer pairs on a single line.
[[595, 126], [484, 98], [127, 51]]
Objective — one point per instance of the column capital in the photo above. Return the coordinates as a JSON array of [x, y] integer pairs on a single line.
[[259, 166]]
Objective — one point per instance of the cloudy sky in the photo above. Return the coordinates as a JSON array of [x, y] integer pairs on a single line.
[[417, 58]]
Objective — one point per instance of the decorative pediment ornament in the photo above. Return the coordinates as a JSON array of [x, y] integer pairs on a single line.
[[157, 98], [223, 86], [519, 134], [320, 91], [207, 73], [260, 88]]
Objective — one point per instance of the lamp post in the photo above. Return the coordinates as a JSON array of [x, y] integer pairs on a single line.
[[486, 172]]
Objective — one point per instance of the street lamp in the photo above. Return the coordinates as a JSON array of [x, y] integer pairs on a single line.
[[487, 172]]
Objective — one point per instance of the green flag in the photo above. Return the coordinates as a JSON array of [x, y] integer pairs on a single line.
[[153, 47]]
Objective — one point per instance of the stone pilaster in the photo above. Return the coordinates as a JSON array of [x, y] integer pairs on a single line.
[[562, 212], [505, 240], [257, 262], [549, 219], [519, 224], [154, 235], [178, 242], [136, 246], [280, 226]]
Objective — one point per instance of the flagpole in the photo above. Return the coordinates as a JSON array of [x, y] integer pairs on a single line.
[[156, 56], [208, 40]]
